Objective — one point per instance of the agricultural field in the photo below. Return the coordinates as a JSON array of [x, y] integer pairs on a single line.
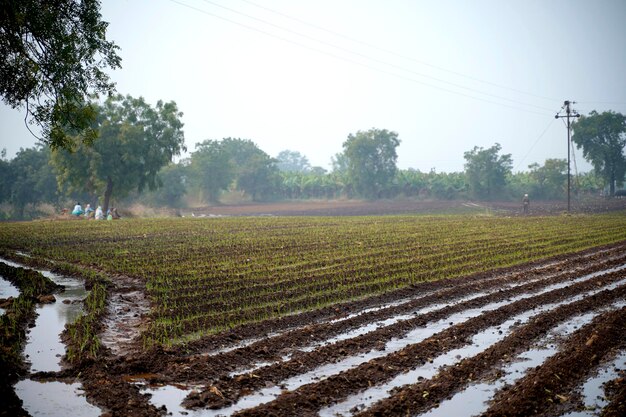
[[353, 315]]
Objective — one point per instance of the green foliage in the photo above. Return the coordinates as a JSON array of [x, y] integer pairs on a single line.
[[216, 165], [550, 180], [292, 161], [371, 160], [487, 171], [211, 169], [173, 178], [207, 276], [602, 136], [136, 141], [28, 179], [53, 54]]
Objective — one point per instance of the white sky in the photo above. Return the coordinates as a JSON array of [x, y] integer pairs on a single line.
[[303, 74]]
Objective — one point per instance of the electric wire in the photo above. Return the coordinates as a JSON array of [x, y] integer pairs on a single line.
[[534, 144], [388, 51], [379, 61], [351, 60]]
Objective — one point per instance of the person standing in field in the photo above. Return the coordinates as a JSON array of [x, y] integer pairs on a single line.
[[78, 209], [525, 203]]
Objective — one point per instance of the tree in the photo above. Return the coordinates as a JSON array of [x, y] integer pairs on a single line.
[[31, 179], [603, 139], [371, 158], [173, 189], [292, 161], [135, 142], [211, 169], [486, 171], [550, 179], [255, 172], [52, 56]]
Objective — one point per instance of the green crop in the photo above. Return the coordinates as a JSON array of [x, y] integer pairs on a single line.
[[208, 275]]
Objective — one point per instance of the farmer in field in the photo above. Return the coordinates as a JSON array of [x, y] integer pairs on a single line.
[[78, 209], [99, 213], [88, 211], [525, 203]]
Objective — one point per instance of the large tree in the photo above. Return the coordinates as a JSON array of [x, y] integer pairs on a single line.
[[135, 141], [371, 160], [292, 161], [211, 169], [256, 173], [602, 136], [30, 179], [53, 54], [486, 171], [550, 179]]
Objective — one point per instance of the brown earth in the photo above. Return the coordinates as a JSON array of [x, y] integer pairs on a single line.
[[380, 207], [220, 364], [293, 345]]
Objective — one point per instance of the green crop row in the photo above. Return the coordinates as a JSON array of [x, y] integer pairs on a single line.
[[206, 275]]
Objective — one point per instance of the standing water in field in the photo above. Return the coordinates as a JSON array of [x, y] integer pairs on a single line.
[[44, 350]]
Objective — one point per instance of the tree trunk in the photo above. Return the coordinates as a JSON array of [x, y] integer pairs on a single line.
[[107, 194], [612, 185]]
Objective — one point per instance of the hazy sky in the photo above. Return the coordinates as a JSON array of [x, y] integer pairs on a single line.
[[446, 75]]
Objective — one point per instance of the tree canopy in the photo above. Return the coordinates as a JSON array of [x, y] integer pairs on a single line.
[[135, 142], [487, 171], [602, 136], [52, 57], [292, 161], [211, 169], [371, 160]]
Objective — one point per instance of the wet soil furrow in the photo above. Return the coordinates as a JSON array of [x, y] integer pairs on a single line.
[[260, 330], [617, 397], [306, 361], [420, 397], [310, 398], [551, 383], [217, 366]]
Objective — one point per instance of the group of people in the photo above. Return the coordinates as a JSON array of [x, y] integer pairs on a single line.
[[97, 214]]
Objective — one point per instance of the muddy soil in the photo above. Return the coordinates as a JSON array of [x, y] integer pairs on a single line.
[[379, 207], [300, 364]]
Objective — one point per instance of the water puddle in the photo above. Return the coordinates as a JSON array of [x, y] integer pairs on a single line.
[[592, 390], [44, 350], [44, 347], [54, 399], [7, 290]]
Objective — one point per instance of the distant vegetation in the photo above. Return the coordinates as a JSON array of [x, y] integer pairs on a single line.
[[131, 162], [205, 276]]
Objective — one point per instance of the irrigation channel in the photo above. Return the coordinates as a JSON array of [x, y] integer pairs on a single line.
[[464, 347], [44, 350], [545, 338]]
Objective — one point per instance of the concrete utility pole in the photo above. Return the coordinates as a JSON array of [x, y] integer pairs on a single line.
[[569, 113]]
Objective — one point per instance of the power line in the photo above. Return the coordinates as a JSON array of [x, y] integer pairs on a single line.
[[534, 144], [366, 65], [379, 61], [351, 39]]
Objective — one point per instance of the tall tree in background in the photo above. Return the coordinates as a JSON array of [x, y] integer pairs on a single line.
[[255, 172], [371, 160], [603, 139], [52, 56], [135, 142], [486, 171], [211, 170], [292, 161], [550, 179]]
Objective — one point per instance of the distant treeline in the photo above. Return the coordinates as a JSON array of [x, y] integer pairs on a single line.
[[219, 169]]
